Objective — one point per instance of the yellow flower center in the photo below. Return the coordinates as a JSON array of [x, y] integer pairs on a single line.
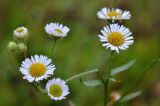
[[116, 38], [37, 69], [59, 31], [55, 90], [113, 14], [20, 30]]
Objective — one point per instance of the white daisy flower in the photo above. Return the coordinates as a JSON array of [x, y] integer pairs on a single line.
[[56, 29], [113, 14], [116, 37], [21, 33], [37, 68], [57, 89]]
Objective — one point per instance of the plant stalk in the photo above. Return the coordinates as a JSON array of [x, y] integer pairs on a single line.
[[106, 87], [53, 46]]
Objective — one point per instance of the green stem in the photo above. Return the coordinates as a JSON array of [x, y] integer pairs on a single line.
[[105, 93], [81, 74], [25, 53], [107, 80], [38, 88], [53, 46], [137, 80], [114, 3]]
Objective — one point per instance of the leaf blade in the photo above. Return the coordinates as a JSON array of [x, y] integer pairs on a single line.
[[123, 67], [91, 83], [130, 96]]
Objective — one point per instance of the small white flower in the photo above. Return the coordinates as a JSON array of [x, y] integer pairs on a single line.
[[116, 37], [21, 33], [113, 14], [56, 29], [37, 68], [57, 89]]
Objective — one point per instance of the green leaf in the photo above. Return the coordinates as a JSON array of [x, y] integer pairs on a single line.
[[81, 74], [122, 68], [71, 103], [114, 80], [130, 96], [91, 83]]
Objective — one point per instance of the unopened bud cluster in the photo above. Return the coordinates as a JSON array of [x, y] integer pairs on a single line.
[[14, 47], [19, 45]]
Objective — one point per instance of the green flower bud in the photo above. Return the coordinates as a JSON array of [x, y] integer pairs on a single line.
[[12, 46], [22, 47]]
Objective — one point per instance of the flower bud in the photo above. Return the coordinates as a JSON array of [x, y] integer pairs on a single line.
[[22, 47], [21, 33], [12, 46]]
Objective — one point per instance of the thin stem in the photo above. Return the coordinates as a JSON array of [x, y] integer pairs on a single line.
[[38, 88], [81, 74], [25, 52], [53, 46], [137, 80], [110, 66], [107, 80], [100, 77], [105, 93], [114, 3]]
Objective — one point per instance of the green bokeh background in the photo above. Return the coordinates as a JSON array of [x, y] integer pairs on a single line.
[[80, 51]]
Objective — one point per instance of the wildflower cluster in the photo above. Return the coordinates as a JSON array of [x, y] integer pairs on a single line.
[[115, 36], [40, 67], [35, 68], [19, 43]]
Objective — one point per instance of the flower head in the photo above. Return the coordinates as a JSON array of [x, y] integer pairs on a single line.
[[113, 14], [116, 37], [12, 46], [56, 29], [22, 47], [21, 33], [57, 89], [37, 68]]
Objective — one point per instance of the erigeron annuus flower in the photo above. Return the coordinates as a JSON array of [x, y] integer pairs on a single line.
[[57, 89], [37, 68], [57, 30], [116, 37], [113, 14], [21, 33]]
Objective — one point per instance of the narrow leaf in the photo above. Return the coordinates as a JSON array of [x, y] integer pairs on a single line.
[[130, 96], [71, 103], [81, 74], [91, 83], [113, 80], [122, 68]]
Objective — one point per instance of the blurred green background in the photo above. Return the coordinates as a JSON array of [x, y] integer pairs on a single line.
[[81, 50]]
